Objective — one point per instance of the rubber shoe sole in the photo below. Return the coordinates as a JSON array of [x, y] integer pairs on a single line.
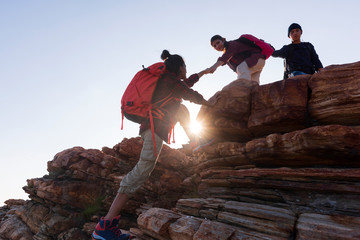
[[94, 236]]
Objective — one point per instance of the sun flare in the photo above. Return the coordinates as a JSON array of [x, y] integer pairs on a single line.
[[195, 127]]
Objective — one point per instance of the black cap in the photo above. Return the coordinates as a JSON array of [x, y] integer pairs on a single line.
[[293, 26]]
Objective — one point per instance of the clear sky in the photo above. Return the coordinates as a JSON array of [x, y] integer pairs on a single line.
[[65, 64]]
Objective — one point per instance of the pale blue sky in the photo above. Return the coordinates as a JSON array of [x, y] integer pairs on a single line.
[[65, 64]]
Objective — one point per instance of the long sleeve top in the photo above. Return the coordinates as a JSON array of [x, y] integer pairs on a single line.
[[300, 57], [172, 90], [236, 52]]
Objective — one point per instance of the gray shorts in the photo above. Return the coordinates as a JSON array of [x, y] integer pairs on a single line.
[[146, 164]]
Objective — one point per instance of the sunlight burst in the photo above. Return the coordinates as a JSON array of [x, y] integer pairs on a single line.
[[195, 127]]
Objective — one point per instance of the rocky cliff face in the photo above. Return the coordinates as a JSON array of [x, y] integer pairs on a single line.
[[285, 165]]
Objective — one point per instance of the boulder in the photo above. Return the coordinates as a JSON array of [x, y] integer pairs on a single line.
[[184, 228], [335, 95], [156, 222], [14, 228], [227, 120], [279, 107]]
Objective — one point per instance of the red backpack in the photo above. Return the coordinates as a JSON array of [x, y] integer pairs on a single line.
[[136, 101], [266, 48]]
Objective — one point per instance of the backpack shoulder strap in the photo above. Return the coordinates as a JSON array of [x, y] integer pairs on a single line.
[[286, 65]]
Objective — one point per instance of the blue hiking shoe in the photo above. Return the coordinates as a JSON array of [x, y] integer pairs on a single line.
[[108, 230]]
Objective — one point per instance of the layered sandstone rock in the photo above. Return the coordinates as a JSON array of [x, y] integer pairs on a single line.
[[83, 182], [11, 226], [331, 145], [229, 116], [298, 180], [280, 107], [317, 226], [335, 95], [244, 110], [285, 165]]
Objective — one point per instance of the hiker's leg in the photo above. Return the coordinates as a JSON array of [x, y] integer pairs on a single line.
[[256, 70], [142, 170], [243, 71], [117, 205], [138, 175], [183, 117]]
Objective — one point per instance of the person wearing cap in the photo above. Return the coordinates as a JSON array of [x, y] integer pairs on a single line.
[[299, 57]]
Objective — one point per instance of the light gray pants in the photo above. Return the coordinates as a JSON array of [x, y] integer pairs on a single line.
[[252, 73], [146, 164]]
